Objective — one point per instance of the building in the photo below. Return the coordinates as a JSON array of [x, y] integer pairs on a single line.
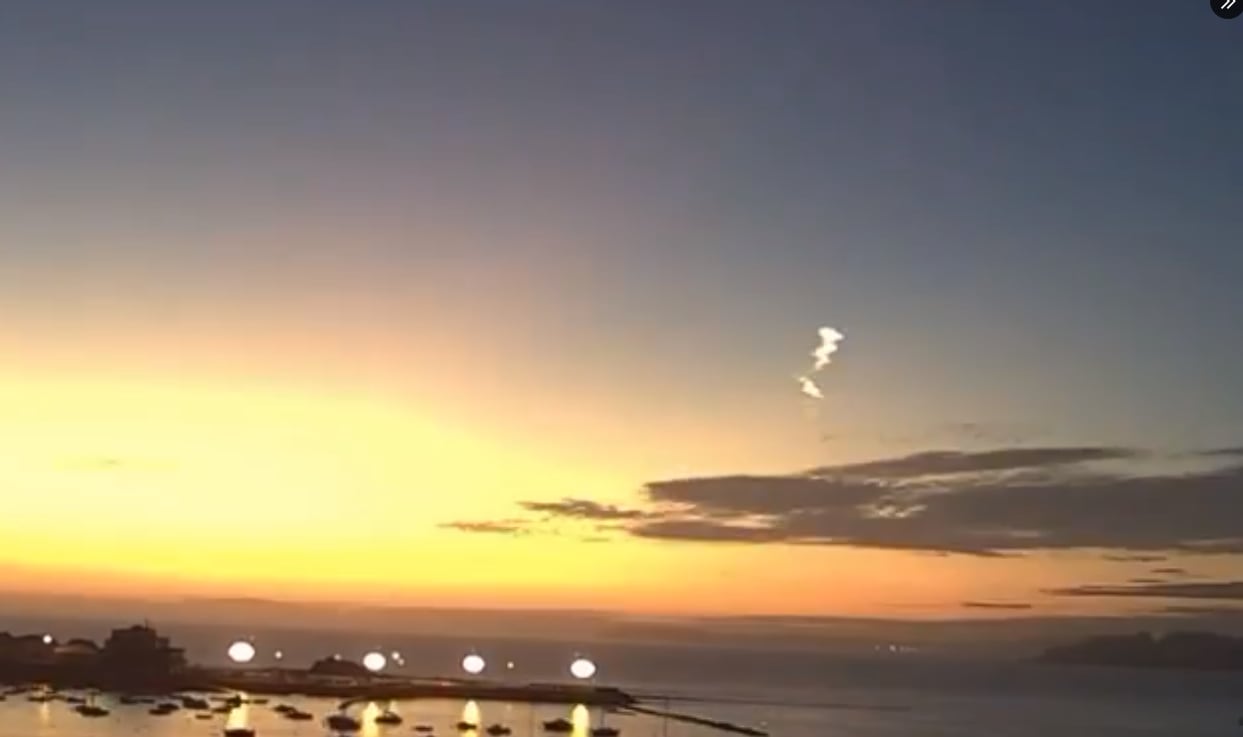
[[138, 653], [25, 649], [76, 652]]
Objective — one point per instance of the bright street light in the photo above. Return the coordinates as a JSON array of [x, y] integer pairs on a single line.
[[582, 669], [474, 664]]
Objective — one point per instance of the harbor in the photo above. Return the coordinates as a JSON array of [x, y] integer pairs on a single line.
[[137, 668]]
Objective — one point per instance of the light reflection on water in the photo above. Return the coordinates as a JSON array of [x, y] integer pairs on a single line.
[[581, 718], [471, 715], [238, 718], [369, 713], [20, 718]]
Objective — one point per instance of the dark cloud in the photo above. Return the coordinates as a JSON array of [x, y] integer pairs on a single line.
[[1202, 611], [708, 531], [1226, 452], [1143, 579], [980, 514], [499, 527], [1135, 558], [1223, 590], [583, 509], [1171, 571], [998, 605], [1007, 501], [731, 496], [933, 463]]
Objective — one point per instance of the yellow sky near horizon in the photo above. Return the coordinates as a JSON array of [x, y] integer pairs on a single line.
[[131, 487]]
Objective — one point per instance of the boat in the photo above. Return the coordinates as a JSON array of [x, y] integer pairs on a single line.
[[222, 709], [283, 708], [91, 710], [239, 732], [465, 726], [389, 717], [258, 702], [191, 702], [74, 700], [424, 728], [559, 726], [499, 730], [343, 723], [299, 716], [605, 732]]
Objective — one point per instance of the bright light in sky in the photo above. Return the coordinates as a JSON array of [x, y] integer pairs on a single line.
[[823, 353], [374, 662], [241, 652], [474, 664], [47, 639], [582, 668]]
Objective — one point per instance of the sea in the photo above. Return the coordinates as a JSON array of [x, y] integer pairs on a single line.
[[787, 693]]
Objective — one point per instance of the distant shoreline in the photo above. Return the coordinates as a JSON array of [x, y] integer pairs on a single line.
[[1198, 651]]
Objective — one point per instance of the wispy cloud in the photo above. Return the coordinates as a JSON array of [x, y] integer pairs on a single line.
[[1134, 558], [998, 605], [583, 509], [996, 502], [500, 527], [1224, 590]]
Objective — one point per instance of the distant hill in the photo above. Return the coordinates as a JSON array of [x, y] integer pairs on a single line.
[[1187, 650]]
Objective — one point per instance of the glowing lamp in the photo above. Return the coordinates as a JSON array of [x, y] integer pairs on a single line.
[[582, 669], [241, 652], [374, 662], [474, 664]]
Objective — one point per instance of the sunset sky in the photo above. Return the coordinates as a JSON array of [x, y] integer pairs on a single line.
[[503, 304]]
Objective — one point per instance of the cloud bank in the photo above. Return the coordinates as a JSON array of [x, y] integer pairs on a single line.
[[1005, 501]]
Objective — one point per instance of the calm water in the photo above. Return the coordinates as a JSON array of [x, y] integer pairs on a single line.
[[792, 694]]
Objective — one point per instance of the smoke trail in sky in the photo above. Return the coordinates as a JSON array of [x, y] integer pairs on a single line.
[[829, 338], [823, 354], [808, 387]]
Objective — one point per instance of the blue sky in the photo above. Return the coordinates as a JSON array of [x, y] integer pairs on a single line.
[[617, 226]]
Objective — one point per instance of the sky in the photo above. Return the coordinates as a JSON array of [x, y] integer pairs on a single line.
[[504, 305]]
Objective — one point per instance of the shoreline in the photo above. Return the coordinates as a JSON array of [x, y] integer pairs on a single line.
[[293, 682]]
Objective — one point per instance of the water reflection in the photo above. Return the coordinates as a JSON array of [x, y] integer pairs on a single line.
[[239, 717], [471, 715], [370, 728], [581, 719]]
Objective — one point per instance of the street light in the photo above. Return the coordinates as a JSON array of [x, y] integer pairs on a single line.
[[374, 662], [241, 652], [582, 669], [474, 664]]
